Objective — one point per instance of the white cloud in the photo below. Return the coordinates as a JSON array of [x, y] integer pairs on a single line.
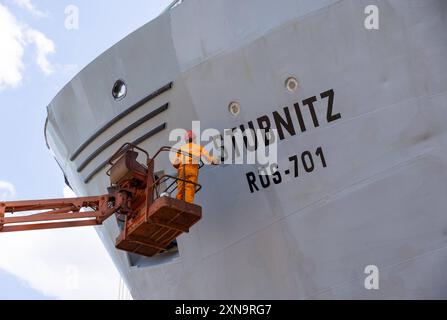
[[30, 7], [44, 47], [7, 190], [15, 37], [66, 263], [68, 193], [11, 53]]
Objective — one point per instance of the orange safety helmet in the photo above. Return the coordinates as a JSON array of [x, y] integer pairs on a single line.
[[189, 135]]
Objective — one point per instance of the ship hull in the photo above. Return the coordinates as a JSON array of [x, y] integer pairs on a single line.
[[371, 116]]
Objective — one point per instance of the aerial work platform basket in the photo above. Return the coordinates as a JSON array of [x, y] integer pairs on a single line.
[[156, 219], [151, 218], [153, 230]]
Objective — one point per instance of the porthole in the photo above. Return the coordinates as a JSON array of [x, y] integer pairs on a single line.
[[234, 108], [119, 90], [291, 84]]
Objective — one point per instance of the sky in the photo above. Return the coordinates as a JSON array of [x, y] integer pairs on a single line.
[[38, 56]]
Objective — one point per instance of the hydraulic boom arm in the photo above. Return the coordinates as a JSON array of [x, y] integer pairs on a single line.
[[59, 213]]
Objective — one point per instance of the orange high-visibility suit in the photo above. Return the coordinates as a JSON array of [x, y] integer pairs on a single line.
[[187, 162]]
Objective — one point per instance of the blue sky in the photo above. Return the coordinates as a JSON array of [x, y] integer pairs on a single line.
[[38, 57], [14, 288]]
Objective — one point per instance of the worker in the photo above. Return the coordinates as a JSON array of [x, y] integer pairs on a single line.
[[187, 161]]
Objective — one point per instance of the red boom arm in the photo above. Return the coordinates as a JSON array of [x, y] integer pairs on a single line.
[[60, 213]]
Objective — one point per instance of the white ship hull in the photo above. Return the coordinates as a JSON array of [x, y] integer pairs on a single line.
[[379, 198]]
